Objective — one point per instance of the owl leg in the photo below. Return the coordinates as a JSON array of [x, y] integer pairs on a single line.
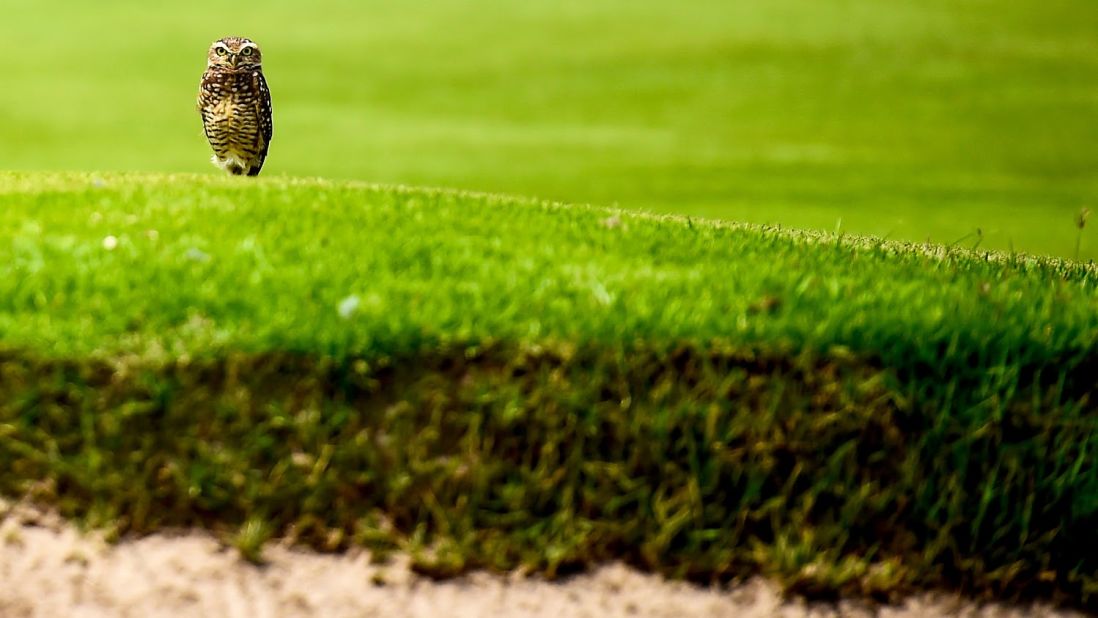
[[224, 163], [230, 164]]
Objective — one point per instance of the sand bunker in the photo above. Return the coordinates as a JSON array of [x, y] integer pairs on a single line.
[[47, 569]]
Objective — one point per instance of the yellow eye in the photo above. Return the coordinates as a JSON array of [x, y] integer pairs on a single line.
[[221, 51], [247, 51]]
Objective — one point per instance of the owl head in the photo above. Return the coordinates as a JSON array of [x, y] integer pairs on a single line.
[[234, 53]]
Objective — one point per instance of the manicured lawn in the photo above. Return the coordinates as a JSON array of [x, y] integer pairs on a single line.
[[488, 381], [909, 119], [493, 382]]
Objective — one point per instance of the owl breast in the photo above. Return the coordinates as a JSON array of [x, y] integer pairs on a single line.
[[235, 111]]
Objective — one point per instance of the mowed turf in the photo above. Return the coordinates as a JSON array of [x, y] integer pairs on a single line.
[[493, 382], [110, 264], [913, 120]]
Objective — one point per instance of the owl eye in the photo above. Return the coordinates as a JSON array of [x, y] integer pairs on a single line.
[[221, 51], [247, 51]]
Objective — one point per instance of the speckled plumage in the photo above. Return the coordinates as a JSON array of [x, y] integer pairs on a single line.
[[236, 106]]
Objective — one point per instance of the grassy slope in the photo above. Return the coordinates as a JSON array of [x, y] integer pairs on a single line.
[[204, 265], [528, 383], [915, 119]]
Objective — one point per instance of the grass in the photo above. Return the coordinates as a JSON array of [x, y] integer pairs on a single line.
[[436, 266], [497, 382], [494, 382], [913, 120]]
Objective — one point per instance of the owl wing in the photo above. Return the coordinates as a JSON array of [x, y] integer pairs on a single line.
[[263, 107], [264, 115], [206, 100]]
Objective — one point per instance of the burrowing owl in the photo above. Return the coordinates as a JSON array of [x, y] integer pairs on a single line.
[[236, 106]]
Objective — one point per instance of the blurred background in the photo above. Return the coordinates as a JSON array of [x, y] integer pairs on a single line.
[[912, 119]]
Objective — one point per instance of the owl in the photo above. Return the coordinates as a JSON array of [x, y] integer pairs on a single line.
[[236, 106]]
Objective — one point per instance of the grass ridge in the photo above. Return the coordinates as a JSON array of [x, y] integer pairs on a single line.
[[491, 382], [706, 463]]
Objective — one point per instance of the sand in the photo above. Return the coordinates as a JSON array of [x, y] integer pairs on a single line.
[[48, 569]]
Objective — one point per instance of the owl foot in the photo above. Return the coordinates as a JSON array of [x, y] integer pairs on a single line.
[[230, 164]]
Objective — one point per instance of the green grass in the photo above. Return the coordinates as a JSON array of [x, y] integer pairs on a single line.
[[909, 119], [496, 382], [204, 265], [493, 382]]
